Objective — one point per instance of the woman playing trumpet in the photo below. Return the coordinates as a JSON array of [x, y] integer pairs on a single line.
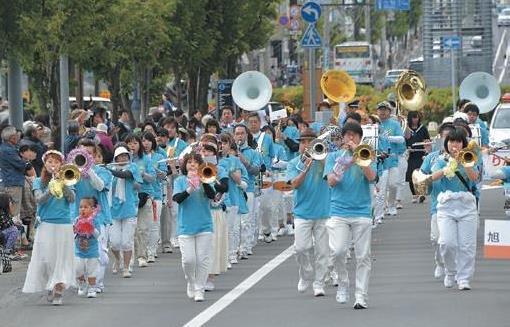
[[457, 213]]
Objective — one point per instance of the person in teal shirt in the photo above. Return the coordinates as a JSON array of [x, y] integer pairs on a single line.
[[457, 213], [125, 186], [195, 225], [145, 205], [287, 137], [350, 213], [51, 266], [174, 142], [311, 211], [390, 138]]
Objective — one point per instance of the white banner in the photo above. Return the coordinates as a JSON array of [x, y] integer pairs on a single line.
[[492, 162]]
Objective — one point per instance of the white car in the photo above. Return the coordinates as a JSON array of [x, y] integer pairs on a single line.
[[500, 124], [504, 17]]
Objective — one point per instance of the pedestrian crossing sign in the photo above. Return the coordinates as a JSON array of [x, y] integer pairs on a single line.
[[311, 38]]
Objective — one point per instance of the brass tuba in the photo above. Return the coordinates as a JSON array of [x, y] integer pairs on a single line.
[[207, 173], [338, 86], [363, 155], [411, 90]]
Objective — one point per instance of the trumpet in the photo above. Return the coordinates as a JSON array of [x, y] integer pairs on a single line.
[[363, 155], [467, 157], [68, 175], [207, 173]]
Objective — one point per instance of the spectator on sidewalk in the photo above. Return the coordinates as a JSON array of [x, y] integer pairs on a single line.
[[32, 134]]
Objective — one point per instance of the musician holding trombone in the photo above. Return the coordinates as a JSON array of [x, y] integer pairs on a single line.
[[349, 174], [311, 212]]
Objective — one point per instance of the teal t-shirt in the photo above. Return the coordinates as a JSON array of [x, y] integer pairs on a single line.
[[84, 189], [266, 149], [312, 197], [235, 195], [158, 167], [178, 144], [54, 211], [390, 127], [194, 213], [453, 184], [426, 168], [129, 207], [144, 165], [254, 159], [351, 195], [92, 250], [292, 133]]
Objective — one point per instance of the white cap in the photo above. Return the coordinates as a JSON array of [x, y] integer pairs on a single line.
[[462, 115], [448, 119], [120, 150], [102, 128]]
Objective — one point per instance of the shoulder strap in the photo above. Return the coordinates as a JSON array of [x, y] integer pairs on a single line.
[[260, 141], [463, 181]]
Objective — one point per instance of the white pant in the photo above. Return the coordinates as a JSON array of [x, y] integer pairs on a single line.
[[154, 230], [103, 255], [266, 212], [165, 225], [401, 181], [387, 184], [434, 238], [143, 226], [312, 249], [234, 230], [122, 234], [86, 267], [340, 230], [196, 252], [457, 220], [250, 223]]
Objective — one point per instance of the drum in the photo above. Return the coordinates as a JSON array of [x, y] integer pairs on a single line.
[[280, 182]]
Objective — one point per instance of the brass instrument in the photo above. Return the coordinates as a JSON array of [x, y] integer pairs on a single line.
[[252, 90], [363, 155], [482, 89], [318, 149], [421, 182], [208, 173], [68, 175], [338, 86], [411, 90], [467, 157], [82, 159], [282, 186], [300, 166]]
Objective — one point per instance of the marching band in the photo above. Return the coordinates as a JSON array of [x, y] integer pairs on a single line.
[[329, 186]]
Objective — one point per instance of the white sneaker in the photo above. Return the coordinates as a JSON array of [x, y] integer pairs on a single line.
[[282, 231], [318, 291], [243, 255], [126, 274], [57, 299], [82, 289], [233, 260], [115, 268], [360, 304], [261, 237], [229, 265], [168, 249], [415, 199], [399, 205], [274, 237], [142, 263], [303, 285], [438, 272], [175, 243], [334, 278], [378, 220], [392, 211], [449, 281], [290, 229], [151, 259], [249, 252], [190, 290], [268, 238], [199, 296], [91, 294], [130, 267], [209, 286], [342, 295], [464, 285]]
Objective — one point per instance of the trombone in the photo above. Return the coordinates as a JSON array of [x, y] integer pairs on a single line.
[[208, 173], [363, 155]]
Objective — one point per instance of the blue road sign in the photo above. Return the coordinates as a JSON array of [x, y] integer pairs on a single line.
[[403, 5], [451, 42], [311, 12], [311, 38]]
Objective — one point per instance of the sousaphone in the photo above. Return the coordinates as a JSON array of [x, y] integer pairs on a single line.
[[338, 86], [482, 89], [252, 90]]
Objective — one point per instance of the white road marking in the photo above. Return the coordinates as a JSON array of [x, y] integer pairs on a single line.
[[239, 290], [496, 57], [503, 71]]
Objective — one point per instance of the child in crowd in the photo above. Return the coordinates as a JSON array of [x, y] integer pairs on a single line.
[[86, 249]]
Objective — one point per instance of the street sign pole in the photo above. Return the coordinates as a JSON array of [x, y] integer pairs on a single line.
[[313, 91], [453, 78]]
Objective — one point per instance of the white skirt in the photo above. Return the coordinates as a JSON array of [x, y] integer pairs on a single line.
[[52, 259], [220, 243]]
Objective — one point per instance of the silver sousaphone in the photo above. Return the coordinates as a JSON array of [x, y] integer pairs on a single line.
[[482, 89], [252, 90]]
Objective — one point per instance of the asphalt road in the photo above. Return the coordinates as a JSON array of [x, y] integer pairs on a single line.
[[402, 290]]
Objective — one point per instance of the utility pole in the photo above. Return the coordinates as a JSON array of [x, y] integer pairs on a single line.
[[327, 36], [64, 98], [368, 23], [15, 94]]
